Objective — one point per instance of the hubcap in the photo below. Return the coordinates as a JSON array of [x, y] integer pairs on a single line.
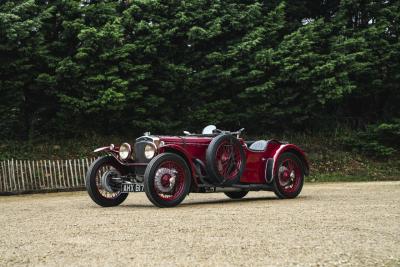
[[169, 180], [105, 176], [228, 160], [289, 175], [165, 179], [286, 176], [106, 179]]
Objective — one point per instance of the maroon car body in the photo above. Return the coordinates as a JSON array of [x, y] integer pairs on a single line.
[[238, 167]]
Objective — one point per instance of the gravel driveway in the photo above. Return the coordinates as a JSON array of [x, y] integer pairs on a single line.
[[329, 224]]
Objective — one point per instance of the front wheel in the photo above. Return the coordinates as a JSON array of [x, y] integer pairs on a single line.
[[167, 180], [289, 176], [100, 184]]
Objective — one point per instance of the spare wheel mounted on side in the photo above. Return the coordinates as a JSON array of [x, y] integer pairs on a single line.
[[225, 160]]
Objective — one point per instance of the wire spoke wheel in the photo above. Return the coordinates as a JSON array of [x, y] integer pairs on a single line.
[[289, 177], [167, 180], [228, 160], [225, 159], [100, 183], [104, 182]]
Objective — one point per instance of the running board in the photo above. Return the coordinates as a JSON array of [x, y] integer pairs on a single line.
[[236, 187], [254, 187]]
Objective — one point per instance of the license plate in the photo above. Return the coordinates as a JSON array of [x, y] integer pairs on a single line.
[[134, 187]]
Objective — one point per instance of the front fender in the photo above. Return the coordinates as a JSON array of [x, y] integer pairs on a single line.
[[295, 150], [111, 148], [102, 149]]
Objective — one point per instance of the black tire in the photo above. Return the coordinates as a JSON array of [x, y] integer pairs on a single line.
[[236, 195], [280, 190], [211, 160], [92, 182], [150, 175]]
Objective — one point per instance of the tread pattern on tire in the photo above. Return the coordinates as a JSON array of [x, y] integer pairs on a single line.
[[149, 180], [91, 187], [277, 191]]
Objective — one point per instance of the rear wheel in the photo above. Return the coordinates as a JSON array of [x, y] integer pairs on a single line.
[[167, 180], [289, 176], [100, 184], [236, 195]]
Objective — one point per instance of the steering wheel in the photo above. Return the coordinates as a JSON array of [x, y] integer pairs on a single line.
[[218, 131]]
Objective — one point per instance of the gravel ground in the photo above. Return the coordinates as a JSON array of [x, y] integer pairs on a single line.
[[329, 224]]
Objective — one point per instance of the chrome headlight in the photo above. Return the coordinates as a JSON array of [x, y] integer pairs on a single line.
[[149, 151], [125, 151]]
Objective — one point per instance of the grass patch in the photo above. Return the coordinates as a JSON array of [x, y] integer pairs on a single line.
[[337, 177]]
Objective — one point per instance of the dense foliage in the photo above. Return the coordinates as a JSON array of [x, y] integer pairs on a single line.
[[75, 67], [380, 140]]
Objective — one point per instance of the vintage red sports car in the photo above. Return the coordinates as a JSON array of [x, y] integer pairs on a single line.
[[168, 168]]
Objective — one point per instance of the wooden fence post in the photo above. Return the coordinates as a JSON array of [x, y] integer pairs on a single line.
[[79, 170], [5, 176], [10, 174], [84, 170], [22, 175], [75, 174], [66, 174], [3, 171], [72, 174], [62, 175], [2, 184], [53, 163], [27, 184], [51, 176], [1, 178], [17, 175], [59, 173], [44, 176], [39, 175], [30, 176], [72, 162], [56, 176], [13, 174], [53, 170]]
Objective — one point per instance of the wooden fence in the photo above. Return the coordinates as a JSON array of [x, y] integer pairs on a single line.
[[18, 176]]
